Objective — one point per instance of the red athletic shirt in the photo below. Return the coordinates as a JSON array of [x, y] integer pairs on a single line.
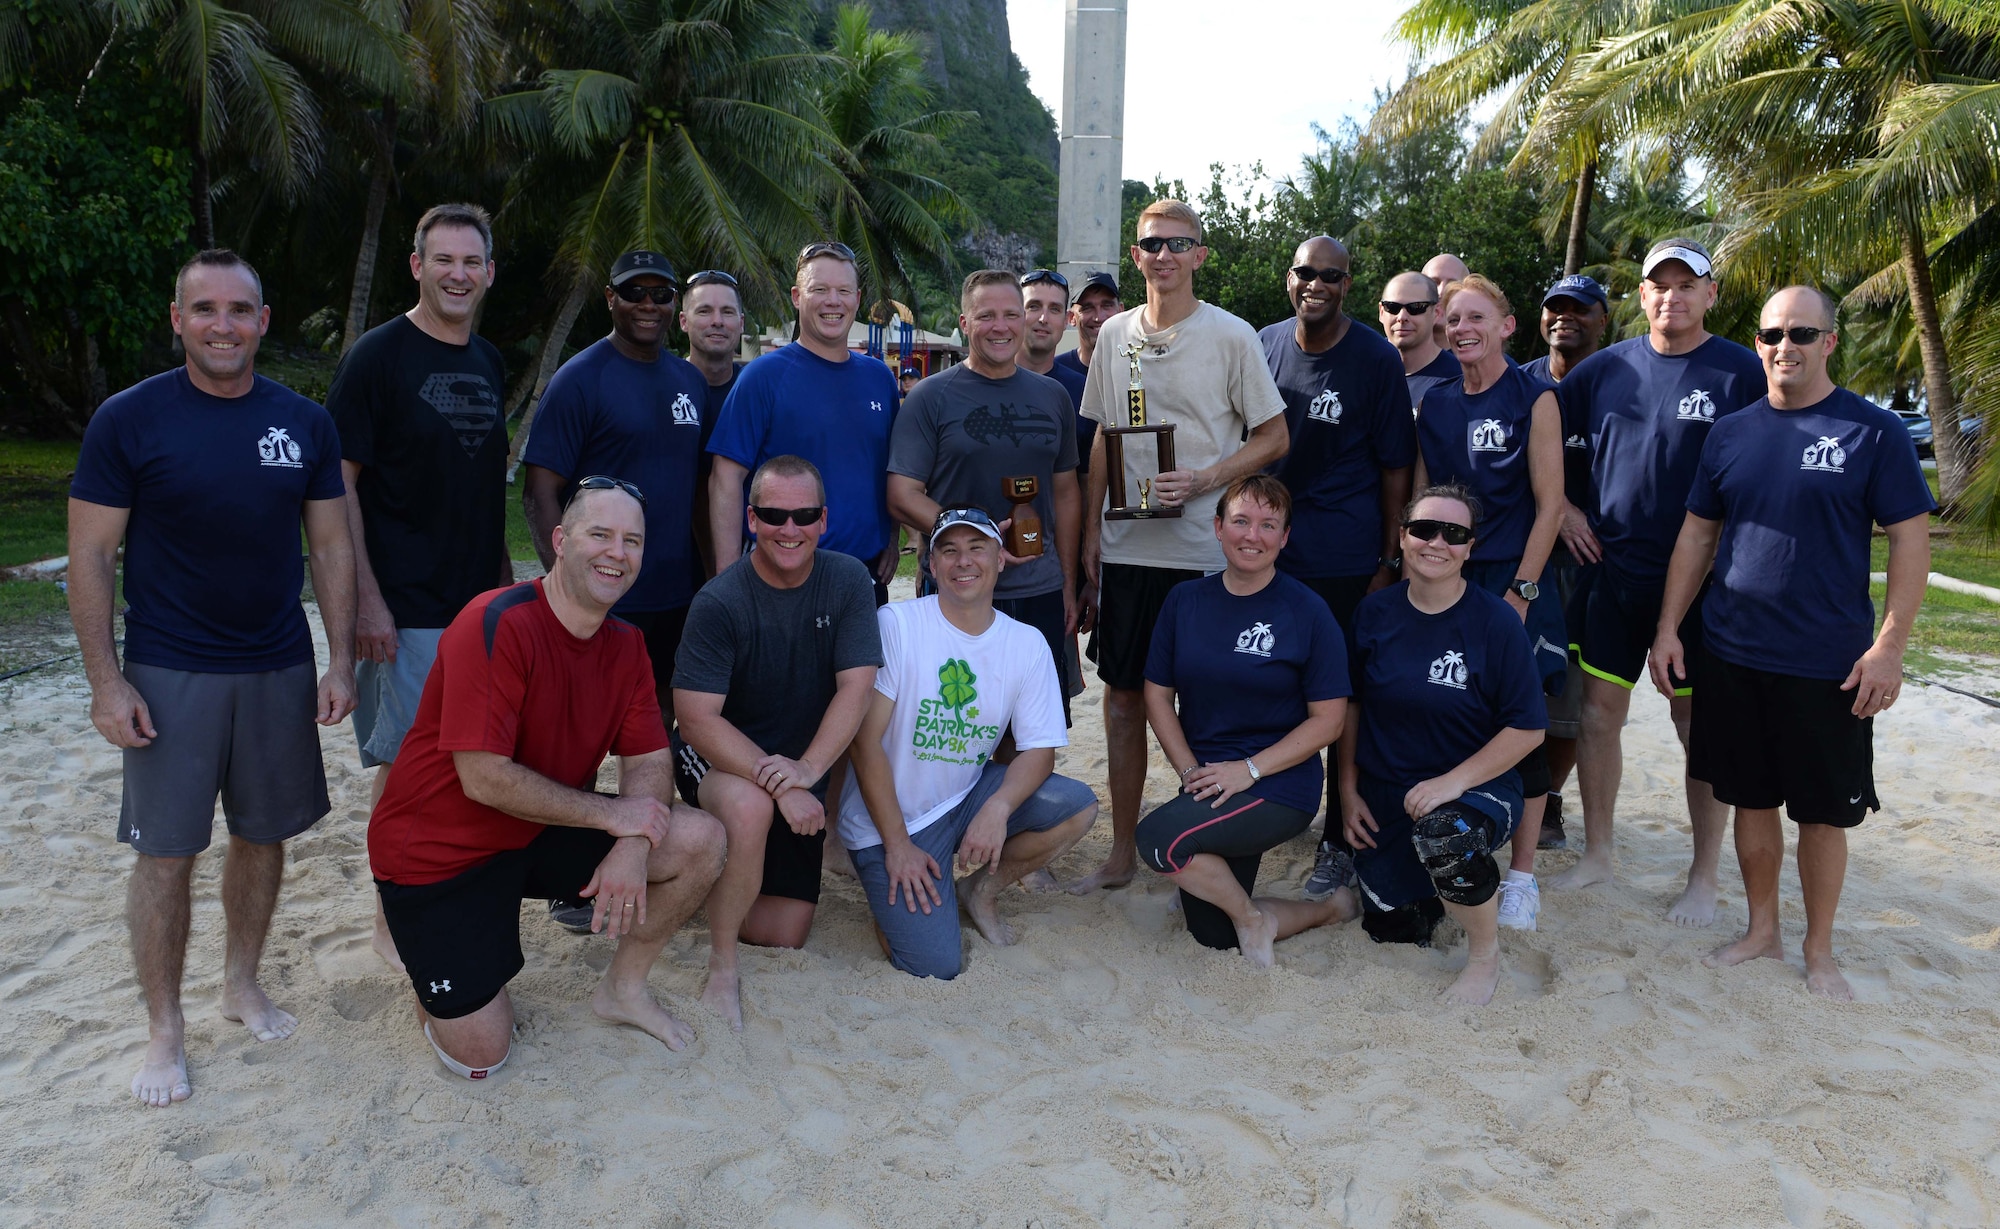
[[509, 679]]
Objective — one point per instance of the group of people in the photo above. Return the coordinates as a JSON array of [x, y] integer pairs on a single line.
[[1395, 577]]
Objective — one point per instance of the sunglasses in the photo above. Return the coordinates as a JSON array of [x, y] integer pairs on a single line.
[[1416, 307], [634, 293], [1800, 335], [1043, 275], [827, 247], [947, 517], [1454, 533], [711, 277], [801, 517], [1177, 244], [604, 482], [1329, 276]]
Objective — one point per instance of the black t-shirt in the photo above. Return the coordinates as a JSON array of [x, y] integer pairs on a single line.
[[1070, 372], [422, 418], [712, 410]]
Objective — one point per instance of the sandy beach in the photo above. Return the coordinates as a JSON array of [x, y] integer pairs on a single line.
[[1104, 1071]]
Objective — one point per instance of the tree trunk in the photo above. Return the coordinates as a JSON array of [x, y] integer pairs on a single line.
[[201, 215], [1579, 218], [371, 230], [552, 349], [1954, 466]]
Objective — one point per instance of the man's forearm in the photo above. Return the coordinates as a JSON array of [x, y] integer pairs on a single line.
[[1395, 497], [365, 586], [92, 580], [716, 739], [837, 727], [333, 586], [1093, 506], [1025, 774], [1262, 448], [647, 776], [526, 794], [1069, 528], [872, 776], [725, 510], [1909, 571], [1694, 553], [541, 520]]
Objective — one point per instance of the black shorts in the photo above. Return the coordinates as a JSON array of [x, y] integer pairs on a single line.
[[1766, 740], [791, 862], [1340, 593], [662, 629], [1044, 613], [1614, 622], [460, 938], [1128, 604], [1239, 833]]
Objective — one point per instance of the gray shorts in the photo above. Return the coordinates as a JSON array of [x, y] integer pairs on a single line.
[[386, 695], [248, 737]]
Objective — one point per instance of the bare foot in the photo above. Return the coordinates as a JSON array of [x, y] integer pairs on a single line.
[[1696, 907], [723, 995], [638, 1008], [1106, 876], [250, 1007], [385, 945], [1038, 881], [1749, 947], [1823, 977], [979, 896], [1254, 939], [1587, 872], [1475, 986], [163, 1075]]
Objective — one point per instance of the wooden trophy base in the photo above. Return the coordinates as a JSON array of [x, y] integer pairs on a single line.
[[1114, 458]]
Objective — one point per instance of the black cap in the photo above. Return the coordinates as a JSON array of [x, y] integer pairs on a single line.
[[634, 263], [1578, 287], [1103, 279]]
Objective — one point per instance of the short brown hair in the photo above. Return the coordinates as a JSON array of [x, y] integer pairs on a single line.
[[467, 215], [985, 277], [216, 258], [1179, 211], [1264, 489], [788, 466], [1479, 284], [1446, 490]]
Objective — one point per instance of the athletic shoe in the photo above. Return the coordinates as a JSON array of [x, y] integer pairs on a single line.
[[1553, 836], [572, 915], [1520, 901], [1333, 871]]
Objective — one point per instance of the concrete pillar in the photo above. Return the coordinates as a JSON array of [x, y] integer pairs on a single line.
[[1093, 138]]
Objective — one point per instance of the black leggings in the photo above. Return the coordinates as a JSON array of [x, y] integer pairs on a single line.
[[1239, 832]]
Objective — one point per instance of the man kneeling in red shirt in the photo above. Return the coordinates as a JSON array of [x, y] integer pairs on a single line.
[[491, 800]]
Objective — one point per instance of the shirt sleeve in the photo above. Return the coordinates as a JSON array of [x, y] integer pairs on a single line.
[[1037, 719], [1896, 487], [745, 419], [857, 639], [1060, 405], [913, 437], [1257, 394], [707, 656], [561, 428], [483, 692], [1514, 691], [325, 482], [351, 401], [104, 474], [642, 731], [1394, 438], [889, 625], [1097, 387], [1704, 493], [1160, 656], [1326, 676]]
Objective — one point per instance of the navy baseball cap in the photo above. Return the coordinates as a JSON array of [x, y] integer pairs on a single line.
[[1582, 289], [634, 263], [1102, 279]]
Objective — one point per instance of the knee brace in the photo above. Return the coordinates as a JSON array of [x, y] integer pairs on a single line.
[[1453, 845]]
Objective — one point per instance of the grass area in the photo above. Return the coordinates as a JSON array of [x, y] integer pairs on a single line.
[[1966, 559], [34, 499], [1950, 628]]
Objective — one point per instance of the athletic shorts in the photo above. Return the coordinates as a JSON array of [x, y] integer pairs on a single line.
[[460, 938], [1128, 605], [1391, 873], [1766, 740], [927, 944], [249, 738], [1044, 613], [791, 862], [386, 694], [662, 629], [1240, 832], [1614, 622], [1566, 707], [1340, 593]]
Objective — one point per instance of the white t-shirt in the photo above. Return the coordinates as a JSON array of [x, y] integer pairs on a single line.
[[1207, 376], [955, 695]]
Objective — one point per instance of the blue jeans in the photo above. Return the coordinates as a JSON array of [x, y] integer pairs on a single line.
[[927, 944]]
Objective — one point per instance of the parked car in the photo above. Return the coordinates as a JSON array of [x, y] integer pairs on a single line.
[[1919, 427]]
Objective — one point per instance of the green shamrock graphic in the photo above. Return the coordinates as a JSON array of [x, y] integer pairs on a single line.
[[955, 680]]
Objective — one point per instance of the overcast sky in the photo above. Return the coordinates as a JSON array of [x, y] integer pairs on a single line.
[[1235, 82]]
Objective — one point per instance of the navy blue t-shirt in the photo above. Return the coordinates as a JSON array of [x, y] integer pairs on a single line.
[[1798, 492], [1576, 449], [836, 415], [1435, 688], [1070, 372], [1481, 439], [604, 413], [1244, 669], [1348, 409], [216, 488], [712, 408], [1444, 369], [1643, 416]]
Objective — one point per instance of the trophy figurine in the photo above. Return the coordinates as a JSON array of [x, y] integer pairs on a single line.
[[1114, 450], [1024, 535]]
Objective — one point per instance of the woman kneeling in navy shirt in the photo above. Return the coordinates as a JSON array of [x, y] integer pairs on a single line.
[[1259, 668], [1446, 680]]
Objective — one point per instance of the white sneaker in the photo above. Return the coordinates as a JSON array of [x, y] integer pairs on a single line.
[[1520, 901]]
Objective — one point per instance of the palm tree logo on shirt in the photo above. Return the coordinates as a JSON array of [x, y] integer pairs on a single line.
[[1256, 639], [1826, 456], [685, 413], [1325, 407], [1697, 406], [955, 685], [278, 448], [1489, 435], [1449, 670]]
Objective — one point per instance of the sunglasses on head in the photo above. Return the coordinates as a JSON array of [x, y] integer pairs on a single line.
[[797, 516], [827, 247], [604, 482], [1043, 275], [1329, 276], [632, 292], [1454, 533], [1800, 335], [711, 277], [1415, 307], [1178, 243], [947, 517]]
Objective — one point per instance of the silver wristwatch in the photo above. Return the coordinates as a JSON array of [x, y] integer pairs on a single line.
[[1252, 766]]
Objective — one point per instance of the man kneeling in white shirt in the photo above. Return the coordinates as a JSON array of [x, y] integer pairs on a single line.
[[927, 786]]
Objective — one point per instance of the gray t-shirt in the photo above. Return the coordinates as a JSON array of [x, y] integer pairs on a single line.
[[961, 434], [773, 652]]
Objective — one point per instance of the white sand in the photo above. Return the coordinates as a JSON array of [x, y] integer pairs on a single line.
[[1104, 1071]]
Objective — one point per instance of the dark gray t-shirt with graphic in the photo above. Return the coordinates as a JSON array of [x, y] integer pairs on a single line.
[[961, 434]]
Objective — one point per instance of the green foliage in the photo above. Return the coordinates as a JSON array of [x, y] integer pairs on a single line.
[[34, 499]]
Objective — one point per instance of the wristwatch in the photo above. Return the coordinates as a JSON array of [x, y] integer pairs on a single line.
[[1528, 589], [1392, 562], [1252, 766]]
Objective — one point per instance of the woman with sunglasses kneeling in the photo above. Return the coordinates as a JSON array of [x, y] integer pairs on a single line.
[[1246, 683], [1446, 703]]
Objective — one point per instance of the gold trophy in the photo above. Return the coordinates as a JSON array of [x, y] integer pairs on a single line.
[[1114, 450], [1024, 535]]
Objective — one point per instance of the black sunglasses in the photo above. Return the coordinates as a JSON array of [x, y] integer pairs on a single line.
[[964, 515], [711, 277], [827, 247], [1414, 308], [632, 292], [1043, 275], [1329, 275], [1178, 243], [604, 482], [1454, 533], [797, 516], [1801, 335]]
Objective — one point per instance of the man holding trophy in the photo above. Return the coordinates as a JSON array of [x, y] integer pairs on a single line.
[[1188, 406]]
